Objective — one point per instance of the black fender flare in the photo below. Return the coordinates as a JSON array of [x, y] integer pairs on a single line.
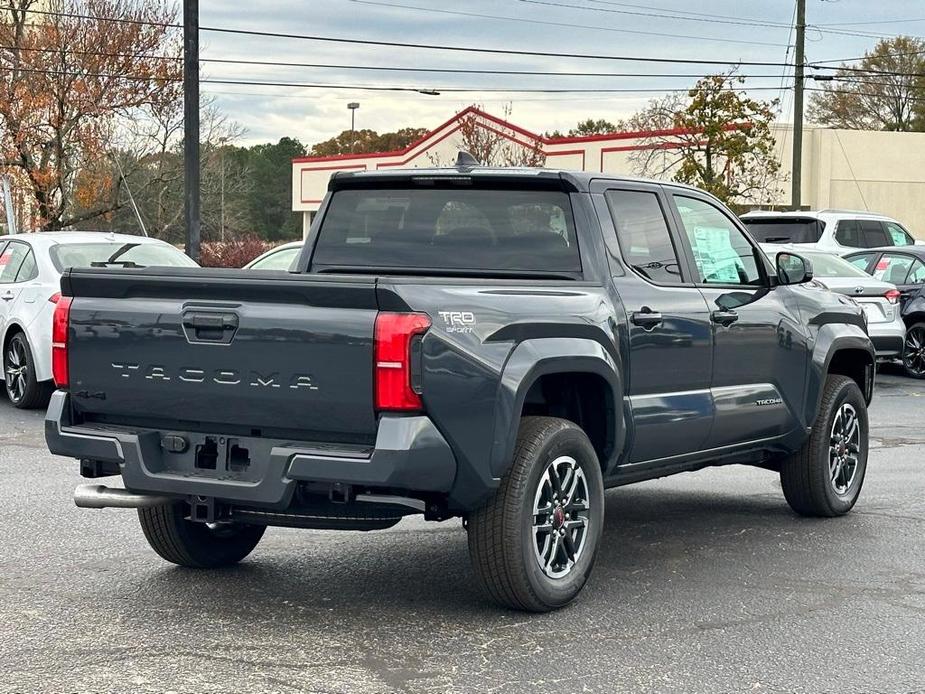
[[534, 358], [831, 339]]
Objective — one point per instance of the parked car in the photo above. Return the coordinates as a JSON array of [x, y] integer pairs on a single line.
[[879, 299], [493, 344], [280, 258], [905, 268], [836, 231], [30, 277]]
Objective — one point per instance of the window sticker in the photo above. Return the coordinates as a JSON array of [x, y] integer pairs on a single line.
[[715, 256]]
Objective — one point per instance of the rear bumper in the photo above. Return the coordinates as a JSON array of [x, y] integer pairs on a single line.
[[888, 338], [409, 455]]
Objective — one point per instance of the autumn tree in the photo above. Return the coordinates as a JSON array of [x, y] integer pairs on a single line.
[[890, 97], [70, 70], [716, 138], [365, 141]]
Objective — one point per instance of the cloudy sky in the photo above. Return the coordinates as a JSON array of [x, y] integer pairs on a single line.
[[725, 30]]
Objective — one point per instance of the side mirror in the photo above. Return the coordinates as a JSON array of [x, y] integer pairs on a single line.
[[793, 268]]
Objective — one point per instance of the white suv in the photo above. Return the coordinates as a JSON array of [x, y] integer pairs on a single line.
[[835, 231]]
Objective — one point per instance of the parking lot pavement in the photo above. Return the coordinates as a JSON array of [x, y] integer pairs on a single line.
[[706, 582]]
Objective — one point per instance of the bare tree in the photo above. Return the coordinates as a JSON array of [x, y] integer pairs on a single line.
[[494, 145]]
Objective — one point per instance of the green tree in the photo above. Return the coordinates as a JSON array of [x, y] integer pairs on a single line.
[[593, 127], [269, 194], [718, 139], [364, 141], [894, 100]]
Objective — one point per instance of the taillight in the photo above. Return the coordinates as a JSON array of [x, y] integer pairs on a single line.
[[892, 296], [54, 298], [59, 325], [394, 341]]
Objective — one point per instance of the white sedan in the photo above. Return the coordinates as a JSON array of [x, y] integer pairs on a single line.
[[279, 258], [30, 279]]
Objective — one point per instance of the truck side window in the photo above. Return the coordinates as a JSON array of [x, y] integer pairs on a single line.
[[643, 235], [722, 253]]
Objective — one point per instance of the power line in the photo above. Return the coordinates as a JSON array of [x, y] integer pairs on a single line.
[[422, 46], [522, 20], [713, 19]]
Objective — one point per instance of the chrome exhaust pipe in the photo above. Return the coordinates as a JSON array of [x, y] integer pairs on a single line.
[[99, 496]]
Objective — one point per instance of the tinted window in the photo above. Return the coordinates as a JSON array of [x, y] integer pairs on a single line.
[[848, 233], [861, 261], [117, 254], [785, 230], [642, 231], [281, 260], [11, 258], [893, 268], [898, 235], [873, 235], [722, 253], [449, 228], [917, 273]]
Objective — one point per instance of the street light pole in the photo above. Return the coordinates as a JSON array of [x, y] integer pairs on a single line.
[[191, 126], [353, 106]]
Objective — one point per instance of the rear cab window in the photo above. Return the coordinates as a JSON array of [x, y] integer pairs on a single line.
[[416, 229], [785, 229]]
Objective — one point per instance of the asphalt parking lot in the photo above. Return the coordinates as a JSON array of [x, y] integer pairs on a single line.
[[706, 583]]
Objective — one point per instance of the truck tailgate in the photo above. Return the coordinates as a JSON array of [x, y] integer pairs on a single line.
[[224, 350]]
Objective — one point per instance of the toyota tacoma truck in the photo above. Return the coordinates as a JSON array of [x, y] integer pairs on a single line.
[[498, 345]]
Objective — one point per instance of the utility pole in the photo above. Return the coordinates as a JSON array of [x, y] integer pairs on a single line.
[[191, 126], [796, 174]]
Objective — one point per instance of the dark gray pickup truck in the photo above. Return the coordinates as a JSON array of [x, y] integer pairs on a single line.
[[495, 345]]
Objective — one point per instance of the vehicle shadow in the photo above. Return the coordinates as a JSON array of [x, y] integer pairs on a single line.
[[651, 534]]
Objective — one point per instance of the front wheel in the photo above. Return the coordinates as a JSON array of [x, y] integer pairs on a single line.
[[533, 545], [914, 351], [825, 476], [196, 545]]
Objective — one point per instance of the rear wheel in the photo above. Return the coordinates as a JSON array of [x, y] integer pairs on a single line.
[[533, 545], [22, 388], [825, 476], [196, 545], [914, 351]]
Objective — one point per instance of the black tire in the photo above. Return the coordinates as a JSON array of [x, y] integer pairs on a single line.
[[23, 390], [196, 545], [814, 482], [502, 537], [914, 351]]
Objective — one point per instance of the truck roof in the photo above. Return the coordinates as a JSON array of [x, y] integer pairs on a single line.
[[578, 180]]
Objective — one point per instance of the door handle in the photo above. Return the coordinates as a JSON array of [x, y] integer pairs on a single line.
[[646, 319], [9, 296], [724, 317]]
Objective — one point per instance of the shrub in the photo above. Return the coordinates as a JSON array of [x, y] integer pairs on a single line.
[[234, 253]]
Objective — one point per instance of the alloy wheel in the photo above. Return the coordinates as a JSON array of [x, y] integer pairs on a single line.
[[844, 449], [560, 517], [16, 370], [914, 351]]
